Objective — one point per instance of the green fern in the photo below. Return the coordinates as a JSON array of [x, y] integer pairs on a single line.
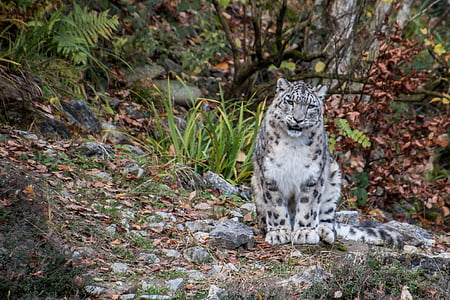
[[354, 134], [79, 31]]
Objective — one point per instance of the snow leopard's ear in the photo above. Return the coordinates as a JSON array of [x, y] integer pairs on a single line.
[[282, 85], [321, 91]]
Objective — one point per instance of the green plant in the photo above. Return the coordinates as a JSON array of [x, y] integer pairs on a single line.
[[220, 139], [360, 190], [78, 32], [56, 43], [375, 277], [354, 134]]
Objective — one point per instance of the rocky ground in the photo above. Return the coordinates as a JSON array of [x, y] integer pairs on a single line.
[[100, 218]]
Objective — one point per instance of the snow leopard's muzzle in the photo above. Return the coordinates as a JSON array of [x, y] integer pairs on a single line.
[[295, 128]]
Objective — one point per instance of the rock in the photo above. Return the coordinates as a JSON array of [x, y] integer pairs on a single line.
[[168, 217], [201, 236], [127, 296], [186, 176], [96, 149], [218, 272], [408, 249], [113, 135], [203, 225], [100, 174], [94, 290], [175, 284], [214, 293], [403, 208], [347, 217], [202, 206], [52, 128], [150, 258], [308, 276], [154, 297], [413, 235], [195, 274], [78, 112], [181, 93], [111, 228], [131, 167], [119, 268], [235, 214], [133, 149], [145, 72], [83, 252], [296, 254], [215, 182], [248, 208], [231, 235], [171, 253], [197, 255]]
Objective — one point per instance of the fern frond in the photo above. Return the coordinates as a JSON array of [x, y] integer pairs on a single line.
[[79, 32], [355, 134]]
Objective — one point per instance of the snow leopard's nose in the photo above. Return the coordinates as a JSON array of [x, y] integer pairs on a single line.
[[298, 119]]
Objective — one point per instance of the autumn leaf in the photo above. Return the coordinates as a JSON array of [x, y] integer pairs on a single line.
[[319, 67], [29, 192], [439, 49]]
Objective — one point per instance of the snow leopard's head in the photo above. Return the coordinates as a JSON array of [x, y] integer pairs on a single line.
[[299, 105]]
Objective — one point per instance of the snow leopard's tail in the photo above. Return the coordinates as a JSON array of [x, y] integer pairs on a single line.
[[370, 232]]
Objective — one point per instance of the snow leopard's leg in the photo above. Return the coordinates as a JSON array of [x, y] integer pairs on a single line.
[[306, 214], [272, 210], [327, 207]]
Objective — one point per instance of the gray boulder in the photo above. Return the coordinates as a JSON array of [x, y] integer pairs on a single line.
[[230, 234]]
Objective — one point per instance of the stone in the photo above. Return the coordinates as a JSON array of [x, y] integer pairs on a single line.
[[195, 274], [119, 268], [310, 275], [216, 182], [201, 236], [197, 255], [127, 296], [100, 150], [181, 93], [413, 235], [154, 297], [83, 252], [78, 113], [131, 167], [150, 258], [171, 253], [214, 293], [218, 272], [175, 284], [94, 290], [52, 128], [166, 216], [200, 225], [145, 72], [248, 208], [231, 235], [113, 135], [100, 174]]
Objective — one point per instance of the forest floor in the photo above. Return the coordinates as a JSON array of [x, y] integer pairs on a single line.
[[79, 227]]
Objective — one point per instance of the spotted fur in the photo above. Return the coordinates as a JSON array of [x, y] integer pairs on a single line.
[[296, 182]]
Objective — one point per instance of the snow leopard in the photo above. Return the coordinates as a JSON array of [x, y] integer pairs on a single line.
[[296, 182]]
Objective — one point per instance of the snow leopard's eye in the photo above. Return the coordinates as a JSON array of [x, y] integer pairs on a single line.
[[288, 100]]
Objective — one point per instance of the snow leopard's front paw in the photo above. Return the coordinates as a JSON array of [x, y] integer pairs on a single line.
[[305, 236], [278, 236], [326, 233]]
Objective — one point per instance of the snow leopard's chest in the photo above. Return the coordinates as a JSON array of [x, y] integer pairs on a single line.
[[292, 165]]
